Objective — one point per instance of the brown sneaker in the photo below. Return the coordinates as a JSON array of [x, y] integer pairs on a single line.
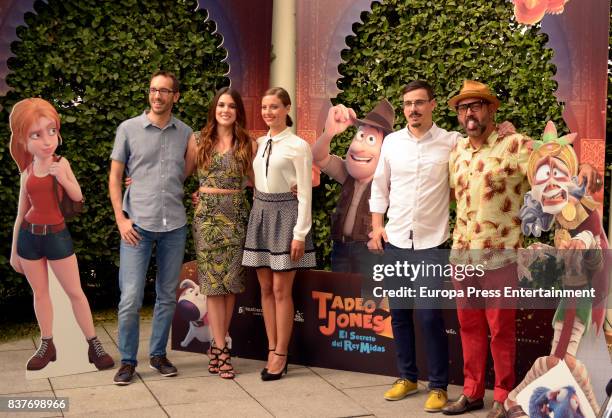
[[98, 356], [124, 375], [44, 354], [497, 411], [163, 366], [462, 405]]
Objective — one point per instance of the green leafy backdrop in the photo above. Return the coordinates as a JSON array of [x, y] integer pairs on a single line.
[[443, 42], [93, 60]]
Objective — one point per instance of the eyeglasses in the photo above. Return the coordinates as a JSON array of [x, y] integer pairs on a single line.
[[416, 103], [474, 106], [163, 92]]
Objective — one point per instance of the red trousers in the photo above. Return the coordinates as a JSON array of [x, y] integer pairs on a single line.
[[476, 322]]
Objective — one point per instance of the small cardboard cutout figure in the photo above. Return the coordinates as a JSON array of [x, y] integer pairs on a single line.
[[191, 314], [530, 12], [41, 240], [557, 199], [555, 394], [191, 307]]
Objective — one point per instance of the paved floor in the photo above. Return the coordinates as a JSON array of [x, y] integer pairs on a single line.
[[304, 392]]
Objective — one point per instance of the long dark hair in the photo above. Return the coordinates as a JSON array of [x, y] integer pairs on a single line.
[[241, 141]]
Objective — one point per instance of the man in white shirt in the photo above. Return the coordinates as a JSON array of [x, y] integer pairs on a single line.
[[411, 186]]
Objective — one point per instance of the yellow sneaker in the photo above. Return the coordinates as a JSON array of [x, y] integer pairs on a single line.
[[400, 389], [436, 400]]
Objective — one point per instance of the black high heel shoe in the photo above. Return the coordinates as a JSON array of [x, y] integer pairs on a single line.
[[267, 376], [213, 362], [226, 370], [265, 369]]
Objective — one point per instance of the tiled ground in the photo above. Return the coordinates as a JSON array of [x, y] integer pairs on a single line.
[[304, 392]]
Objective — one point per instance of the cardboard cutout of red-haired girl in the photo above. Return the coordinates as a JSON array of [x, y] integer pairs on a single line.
[[40, 236]]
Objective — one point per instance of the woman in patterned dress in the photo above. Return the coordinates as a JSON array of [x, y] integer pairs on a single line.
[[223, 157]]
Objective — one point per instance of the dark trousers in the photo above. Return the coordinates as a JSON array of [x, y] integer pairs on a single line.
[[436, 345], [354, 257], [431, 323], [348, 257]]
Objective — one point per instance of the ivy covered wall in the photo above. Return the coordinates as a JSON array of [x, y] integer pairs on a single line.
[[443, 42], [93, 60]]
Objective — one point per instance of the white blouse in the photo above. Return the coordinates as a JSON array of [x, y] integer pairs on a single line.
[[288, 163]]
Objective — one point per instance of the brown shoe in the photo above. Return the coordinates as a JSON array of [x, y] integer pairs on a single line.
[[497, 411], [462, 405], [163, 366], [124, 375], [44, 354], [98, 356], [516, 412]]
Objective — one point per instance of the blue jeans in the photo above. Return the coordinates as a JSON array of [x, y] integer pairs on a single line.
[[134, 262], [431, 323]]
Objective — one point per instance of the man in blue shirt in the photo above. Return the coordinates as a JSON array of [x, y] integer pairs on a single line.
[[151, 148]]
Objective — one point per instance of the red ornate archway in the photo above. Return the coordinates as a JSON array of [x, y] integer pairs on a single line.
[[578, 36]]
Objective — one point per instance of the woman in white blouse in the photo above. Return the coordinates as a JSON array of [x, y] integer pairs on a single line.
[[278, 238]]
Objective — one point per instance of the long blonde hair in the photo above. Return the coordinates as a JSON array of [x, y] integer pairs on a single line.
[[242, 143], [23, 115]]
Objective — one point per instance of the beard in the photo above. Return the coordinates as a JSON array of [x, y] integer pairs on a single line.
[[473, 126], [163, 107], [415, 124]]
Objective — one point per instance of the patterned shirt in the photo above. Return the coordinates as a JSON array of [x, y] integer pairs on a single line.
[[490, 183], [224, 171]]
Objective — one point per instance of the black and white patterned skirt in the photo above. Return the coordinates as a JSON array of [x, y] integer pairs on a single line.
[[270, 232]]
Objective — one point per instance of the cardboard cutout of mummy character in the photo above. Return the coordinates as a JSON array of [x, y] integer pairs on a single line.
[[557, 200], [42, 248], [190, 326]]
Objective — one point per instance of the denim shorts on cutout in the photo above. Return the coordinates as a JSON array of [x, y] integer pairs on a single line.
[[53, 246]]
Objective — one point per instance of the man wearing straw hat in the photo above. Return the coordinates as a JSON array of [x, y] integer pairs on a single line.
[[489, 178], [488, 175]]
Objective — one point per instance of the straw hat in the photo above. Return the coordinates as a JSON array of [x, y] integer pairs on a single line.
[[473, 88]]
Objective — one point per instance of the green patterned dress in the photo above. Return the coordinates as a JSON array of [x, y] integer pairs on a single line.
[[220, 226]]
